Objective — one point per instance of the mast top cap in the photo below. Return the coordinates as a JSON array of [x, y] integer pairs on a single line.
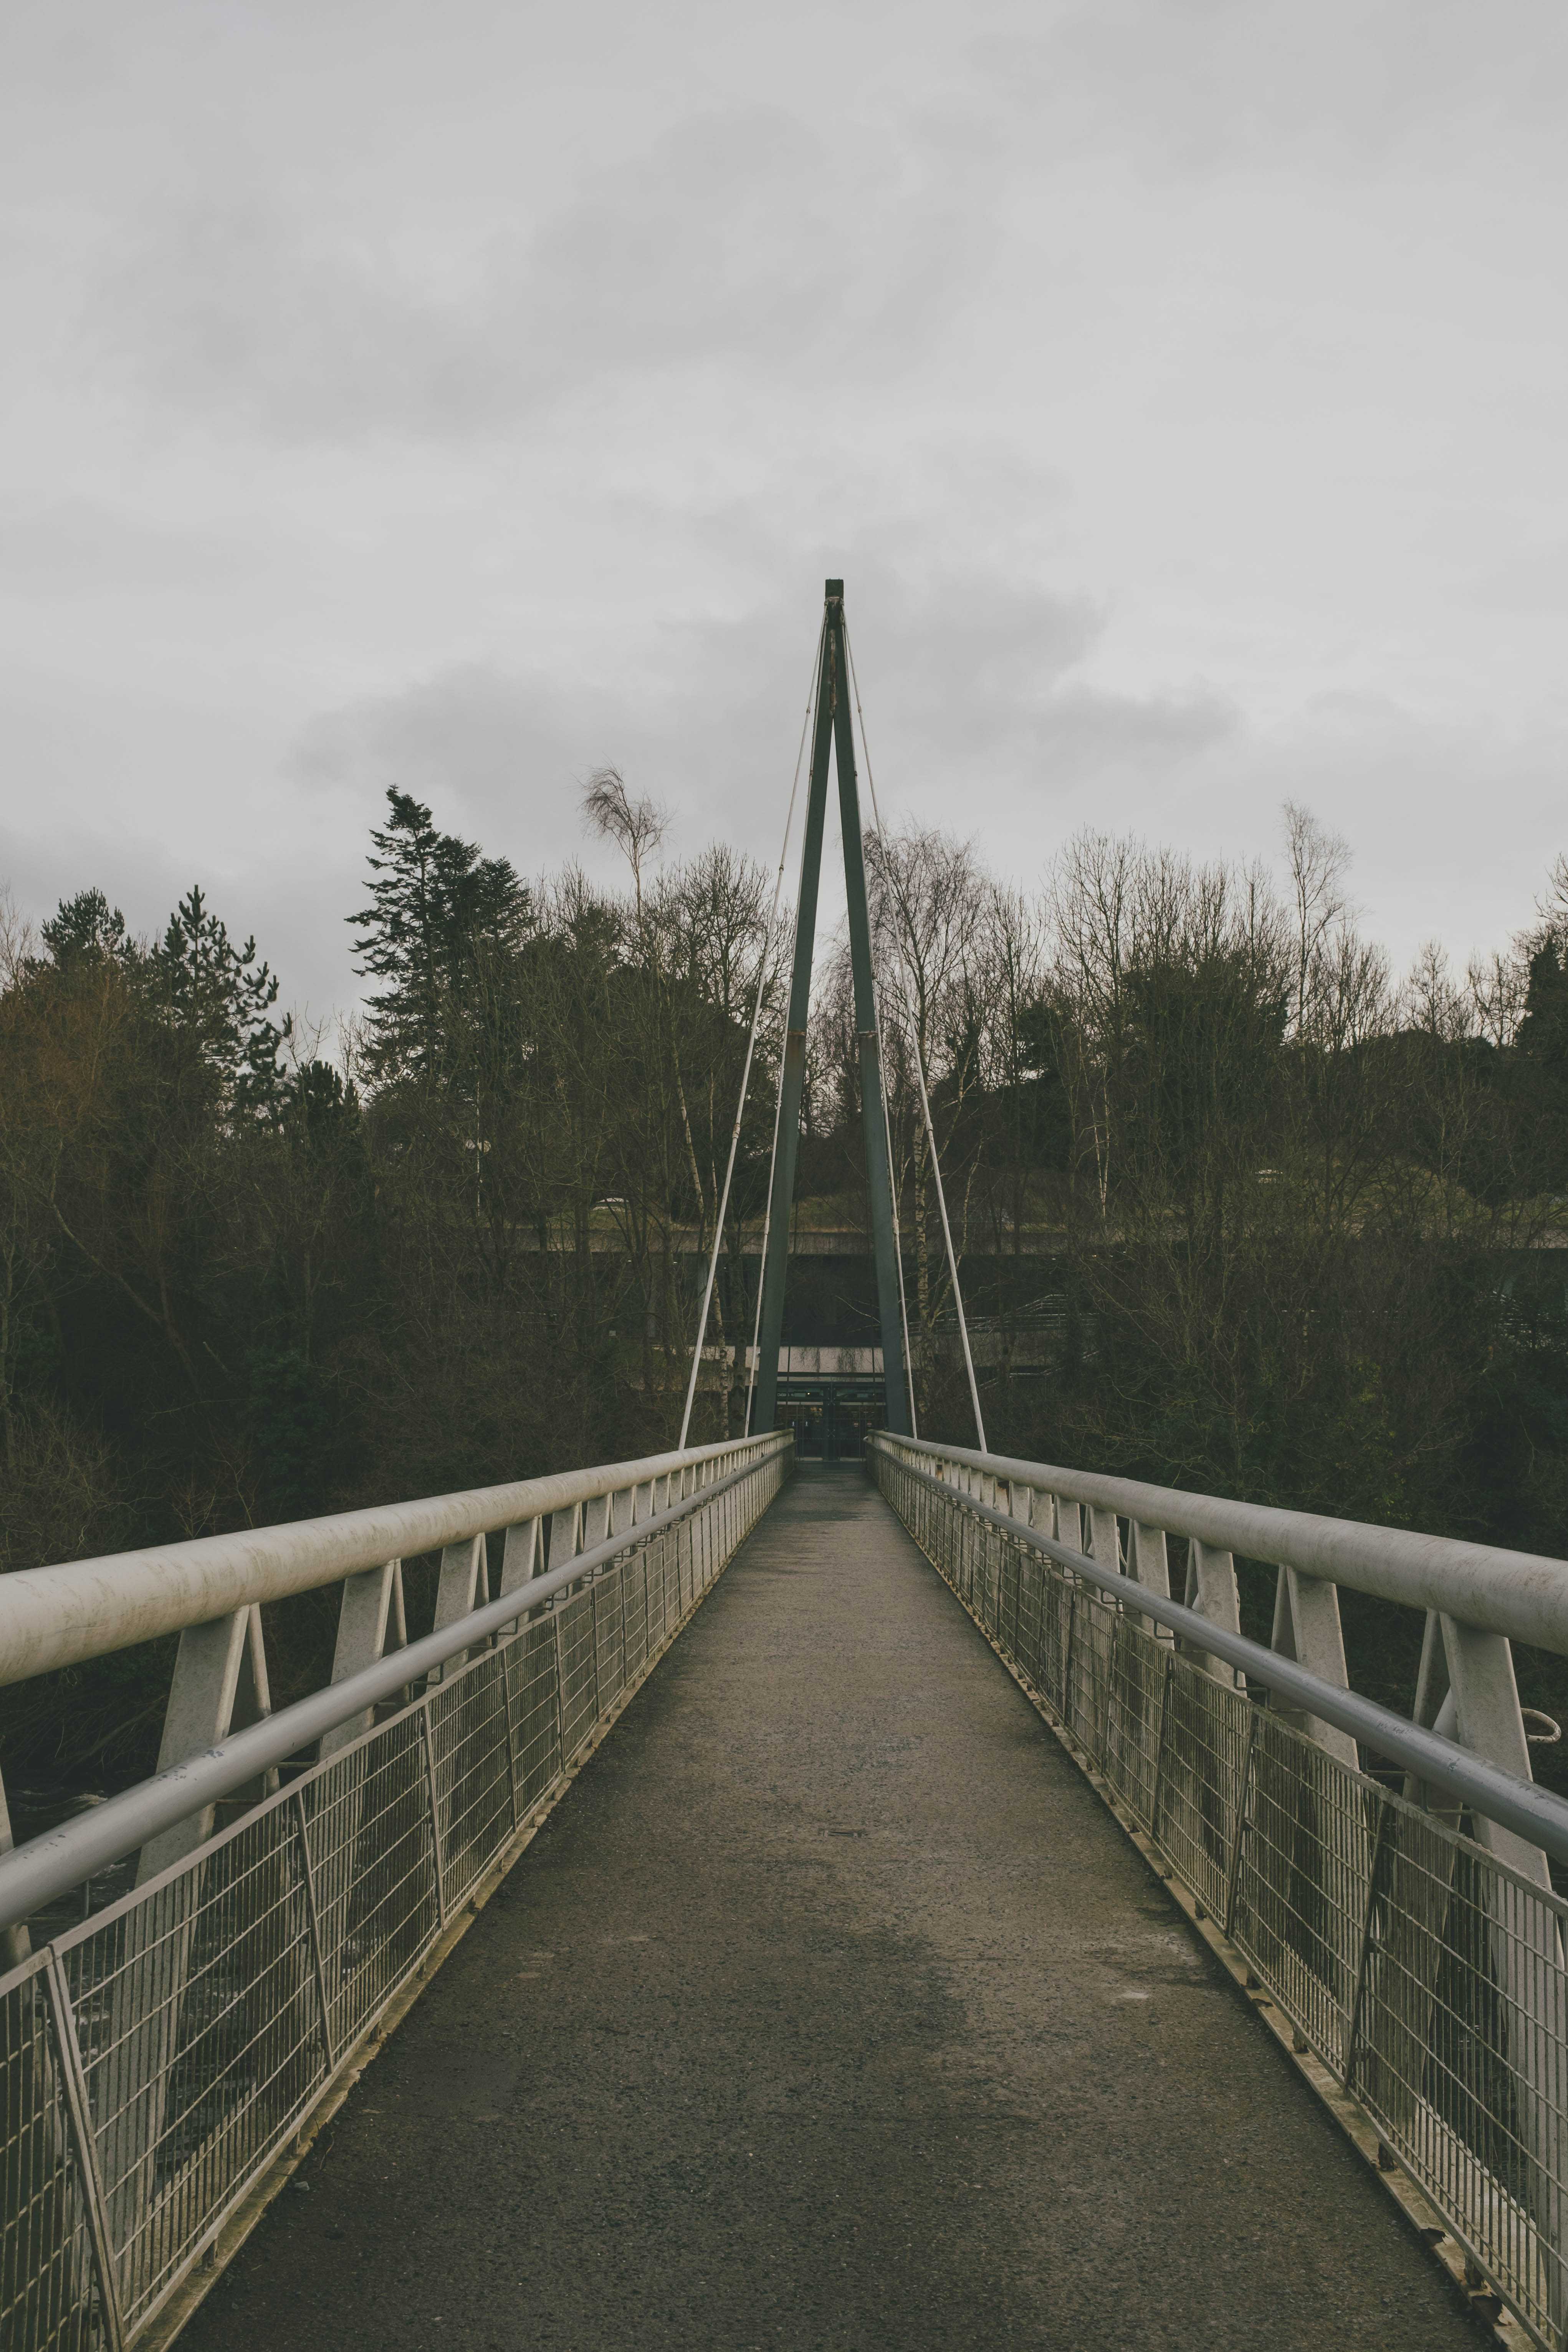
[[835, 588]]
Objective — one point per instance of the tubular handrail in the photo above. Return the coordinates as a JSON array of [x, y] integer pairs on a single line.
[[1532, 1812], [52, 1617], [1410, 1936], [67, 1855], [1521, 1595]]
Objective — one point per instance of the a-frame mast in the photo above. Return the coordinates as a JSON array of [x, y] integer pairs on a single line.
[[835, 729]]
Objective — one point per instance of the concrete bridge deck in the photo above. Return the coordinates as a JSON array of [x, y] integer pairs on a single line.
[[830, 2009]]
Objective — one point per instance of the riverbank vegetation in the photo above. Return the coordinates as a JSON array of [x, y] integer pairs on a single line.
[[1290, 1224]]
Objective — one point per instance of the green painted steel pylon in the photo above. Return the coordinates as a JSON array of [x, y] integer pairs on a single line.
[[834, 727]]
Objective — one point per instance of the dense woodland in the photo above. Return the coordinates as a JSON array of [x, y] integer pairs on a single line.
[[1294, 1222]]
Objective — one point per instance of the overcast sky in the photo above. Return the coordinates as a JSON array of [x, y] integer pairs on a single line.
[[469, 394]]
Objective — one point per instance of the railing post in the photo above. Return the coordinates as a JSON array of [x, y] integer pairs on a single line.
[[1307, 1628], [1070, 1582], [1241, 1819], [219, 1683], [506, 1650], [79, 2112], [363, 1619], [1214, 1595], [594, 1583], [463, 1587], [436, 1841], [1104, 1546], [1528, 1963], [314, 1922], [520, 1559], [1363, 1941], [203, 1704], [648, 1598], [563, 1535], [561, 1759], [1160, 1750], [1149, 1562]]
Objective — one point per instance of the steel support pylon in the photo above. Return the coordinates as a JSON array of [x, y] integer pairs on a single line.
[[835, 730]]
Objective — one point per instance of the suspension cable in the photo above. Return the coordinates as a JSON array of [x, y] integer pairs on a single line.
[[767, 1228], [745, 1082], [925, 1098], [898, 1227]]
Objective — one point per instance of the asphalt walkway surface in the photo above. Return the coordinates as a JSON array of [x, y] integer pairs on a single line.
[[831, 2009]]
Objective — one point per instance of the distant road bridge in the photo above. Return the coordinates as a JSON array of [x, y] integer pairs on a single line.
[[887, 1975]]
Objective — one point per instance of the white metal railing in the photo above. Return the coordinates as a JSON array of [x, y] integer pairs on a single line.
[[155, 2058], [1410, 1933]]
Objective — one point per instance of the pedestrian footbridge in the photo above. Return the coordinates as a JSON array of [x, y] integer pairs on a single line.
[[805, 1908]]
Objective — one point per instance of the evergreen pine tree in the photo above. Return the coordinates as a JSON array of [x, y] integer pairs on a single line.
[[218, 997], [437, 910], [86, 930]]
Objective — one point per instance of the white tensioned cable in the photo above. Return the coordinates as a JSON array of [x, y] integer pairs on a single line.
[[925, 1098], [767, 1227], [887, 1121], [745, 1082]]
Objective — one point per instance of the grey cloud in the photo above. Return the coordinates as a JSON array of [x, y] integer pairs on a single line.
[[69, 545], [1533, 581], [976, 673], [1195, 86], [725, 242], [970, 695]]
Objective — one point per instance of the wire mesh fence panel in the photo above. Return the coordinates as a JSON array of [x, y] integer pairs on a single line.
[[535, 1715], [609, 1657], [205, 2012], [655, 1559], [1088, 1663], [989, 1592], [1135, 1695], [1460, 2049], [634, 1612], [199, 2017], [48, 2289], [1299, 1909], [368, 1824], [470, 1742], [1030, 1643], [1056, 1610], [1427, 1972], [574, 1635], [1199, 1771], [1009, 1577]]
